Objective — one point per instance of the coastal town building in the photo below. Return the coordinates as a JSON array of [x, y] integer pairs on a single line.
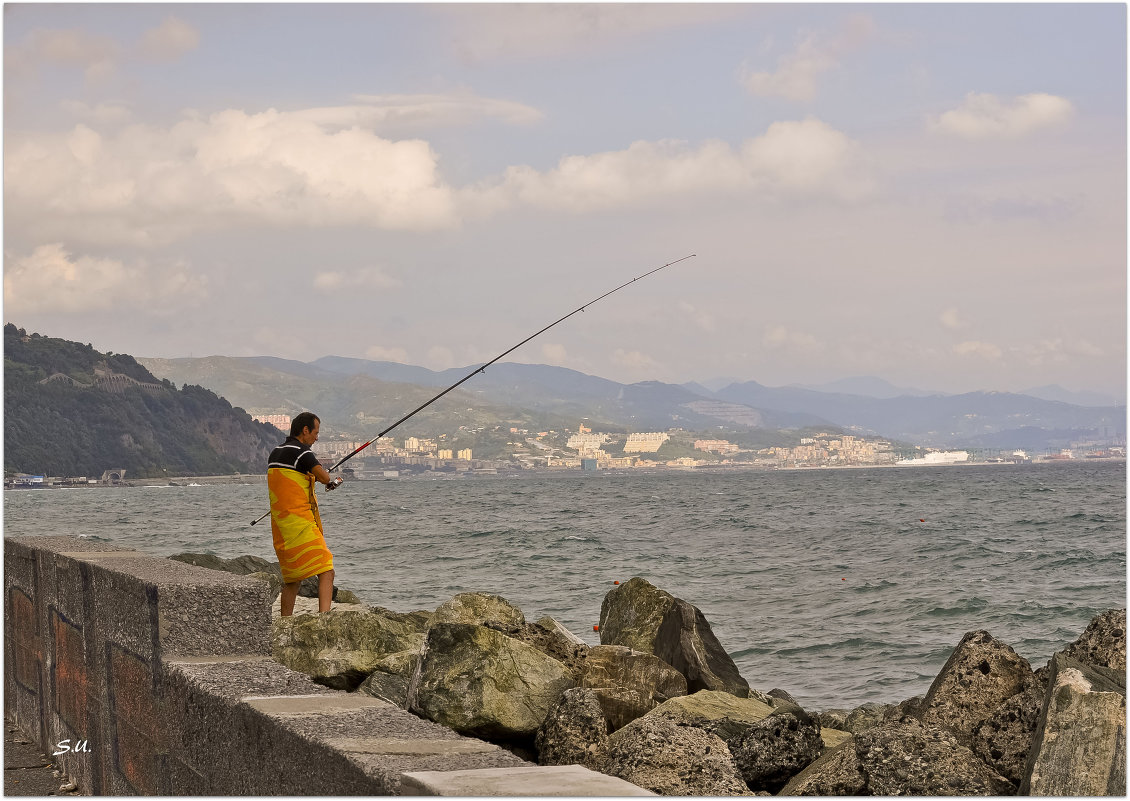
[[645, 442], [718, 445]]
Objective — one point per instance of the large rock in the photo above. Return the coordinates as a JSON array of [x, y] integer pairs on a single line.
[[392, 677], [1079, 748], [658, 754], [629, 683], [719, 713], [836, 772], [981, 673], [554, 642], [479, 608], [340, 648], [645, 618], [240, 565], [1004, 738], [772, 751], [575, 732], [480, 682], [899, 758], [1103, 643]]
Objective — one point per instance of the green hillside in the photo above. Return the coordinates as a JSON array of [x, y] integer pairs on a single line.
[[70, 410]]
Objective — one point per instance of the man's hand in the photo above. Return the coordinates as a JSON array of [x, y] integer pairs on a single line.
[[334, 484]]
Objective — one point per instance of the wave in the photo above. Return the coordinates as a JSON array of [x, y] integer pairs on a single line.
[[962, 607]]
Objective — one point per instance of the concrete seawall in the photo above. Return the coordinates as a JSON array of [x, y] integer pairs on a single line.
[[157, 677]]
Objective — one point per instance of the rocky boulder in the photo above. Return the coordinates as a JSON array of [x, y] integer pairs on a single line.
[[479, 608], [629, 683], [836, 772], [575, 732], [480, 682], [719, 713], [899, 758], [391, 678], [773, 750], [1079, 748], [981, 673], [554, 642], [642, 617], [342, 647], [658, 754], [240, 565], [1103, 643], [1004, 738]]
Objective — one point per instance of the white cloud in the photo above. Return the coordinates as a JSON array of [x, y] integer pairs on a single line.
[[425, 110], [170, 40], [779, 337], [807, 157], [51, 279], [951, 318], [797, 73], [535, 30], [364, 278], [633, 360], [143, 183], [381, 353], [554, 353], [95, 55], [99, 113], [986, 116], [1058, 350], [983, 350], [440, 358], [704, 320]]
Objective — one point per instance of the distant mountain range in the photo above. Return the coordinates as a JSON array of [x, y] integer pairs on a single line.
[[355, 396]]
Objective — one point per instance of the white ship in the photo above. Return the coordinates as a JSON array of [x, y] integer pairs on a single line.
[[938, 457]]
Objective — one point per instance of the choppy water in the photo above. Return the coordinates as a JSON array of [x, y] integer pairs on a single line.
[[824, 583]]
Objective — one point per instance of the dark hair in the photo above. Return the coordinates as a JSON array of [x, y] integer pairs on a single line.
[[304, 420]]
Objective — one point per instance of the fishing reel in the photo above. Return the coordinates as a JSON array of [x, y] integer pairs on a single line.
[[337, 482]]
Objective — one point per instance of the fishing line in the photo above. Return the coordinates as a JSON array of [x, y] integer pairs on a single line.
[[483, 368]]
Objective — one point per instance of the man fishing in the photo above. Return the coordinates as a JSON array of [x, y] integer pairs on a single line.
[[295, 523]]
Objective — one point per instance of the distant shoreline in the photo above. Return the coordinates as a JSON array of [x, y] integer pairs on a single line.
[[251, 479]]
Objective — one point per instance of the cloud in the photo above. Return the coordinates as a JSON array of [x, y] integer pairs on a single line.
[[704, 320], [363, 278], [797, 73], [170, 40], [95, 55], [807, 157], [633, 360], [1058, 350], [440, 358], [381, 353], [986, 116], [951, 318], [780, 338], [52, 279], [520, 31], [425, 110], [984, 350], [98, 114], [144, 184]]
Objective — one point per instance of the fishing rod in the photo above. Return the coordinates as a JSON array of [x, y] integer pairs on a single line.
[[483, 368]]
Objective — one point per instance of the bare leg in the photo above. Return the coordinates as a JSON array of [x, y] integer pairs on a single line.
[[289, 593], [325, 590]]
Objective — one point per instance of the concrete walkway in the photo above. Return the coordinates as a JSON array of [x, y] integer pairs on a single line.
[[27, 771]]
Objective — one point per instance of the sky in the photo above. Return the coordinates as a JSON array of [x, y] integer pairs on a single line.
[[931, 194]]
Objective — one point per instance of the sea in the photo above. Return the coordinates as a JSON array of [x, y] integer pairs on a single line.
[[840, 586]]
